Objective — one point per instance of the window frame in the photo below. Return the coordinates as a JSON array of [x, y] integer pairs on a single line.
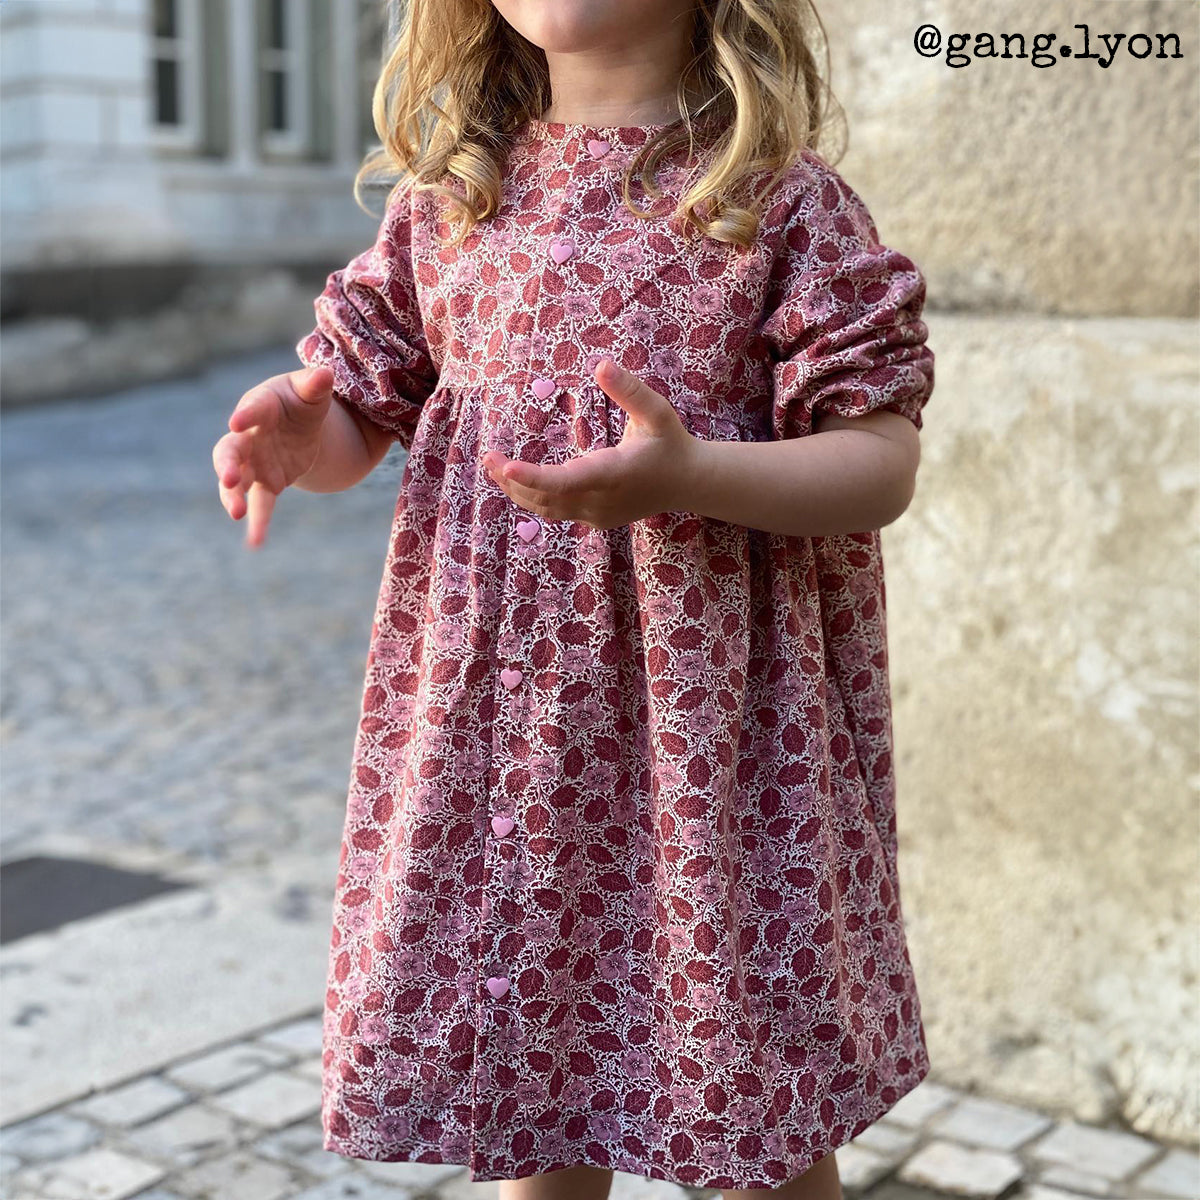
[[185, 49], [294, 60]]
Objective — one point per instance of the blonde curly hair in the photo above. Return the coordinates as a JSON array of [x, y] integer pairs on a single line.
[[457, 81]]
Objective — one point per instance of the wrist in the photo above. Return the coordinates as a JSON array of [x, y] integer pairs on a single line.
[[692, 469], [310, 472]]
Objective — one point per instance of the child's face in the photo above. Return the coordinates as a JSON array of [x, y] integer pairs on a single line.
[[574, 26]]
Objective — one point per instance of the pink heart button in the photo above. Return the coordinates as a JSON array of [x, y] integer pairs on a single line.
[[543, 387], [497, 986], [560, 251], [597, 147], [510, 678], [528, 529], [502, 826]]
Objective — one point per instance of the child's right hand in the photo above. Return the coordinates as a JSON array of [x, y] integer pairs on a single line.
[[275, 438]]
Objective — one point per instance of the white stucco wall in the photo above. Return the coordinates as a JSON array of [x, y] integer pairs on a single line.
[[84, 178]]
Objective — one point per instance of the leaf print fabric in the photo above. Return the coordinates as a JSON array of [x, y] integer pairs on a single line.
[[369, 333], [848, 334], [617, 882]]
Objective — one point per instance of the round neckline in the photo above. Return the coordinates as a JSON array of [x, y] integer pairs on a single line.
[[592, 124], [624, 139], [568, 129]]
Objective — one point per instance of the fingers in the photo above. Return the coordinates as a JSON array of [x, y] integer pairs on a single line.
[[240, 492], [589, 472], [268, 408], [261, 505], [635, 397], [312, 385], [258, 407], [231, 461], [228, 455], [577, 490]]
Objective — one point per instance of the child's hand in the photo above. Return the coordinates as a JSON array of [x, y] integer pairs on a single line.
[[645, 474], [275, 438]]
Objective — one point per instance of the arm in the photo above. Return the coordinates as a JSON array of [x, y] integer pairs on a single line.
[[351, 448], [853, 475], [370, 332]]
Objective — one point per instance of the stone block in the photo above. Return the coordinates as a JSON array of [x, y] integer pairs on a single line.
[[226, 1067], [134, 1103], [310, 1068], [892, 1141], [1176, 1174], [1112, 1153], [1037, 1192], [961, 1170], [99, 1174], [1075, 1181], [916, 1107], [990, 1123], [185, 1135], [302, 1146], [271, 1101], [53, 1135], [241, 1175], [860, 1169], [296, 1037], [627, 1186], [419, 1176]]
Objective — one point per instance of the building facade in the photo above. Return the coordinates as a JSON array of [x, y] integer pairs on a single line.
[[144, 141]]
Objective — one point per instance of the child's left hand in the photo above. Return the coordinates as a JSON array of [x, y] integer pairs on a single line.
[[648, 472]]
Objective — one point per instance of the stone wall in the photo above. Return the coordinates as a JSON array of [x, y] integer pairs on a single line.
[[1071, 188], [1042, 585]]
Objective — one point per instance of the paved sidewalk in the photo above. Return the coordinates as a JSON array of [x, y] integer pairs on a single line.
[[241, 1121], [174, 703]]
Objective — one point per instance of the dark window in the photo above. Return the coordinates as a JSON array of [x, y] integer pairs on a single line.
[[277, 38], [166, 19], [170, 69], [166, 91], [283, 60], [277, 111]]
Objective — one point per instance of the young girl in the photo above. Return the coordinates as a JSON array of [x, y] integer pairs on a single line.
[[618, 886]]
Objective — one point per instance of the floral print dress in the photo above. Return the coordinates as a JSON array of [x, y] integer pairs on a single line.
[[617, 882]]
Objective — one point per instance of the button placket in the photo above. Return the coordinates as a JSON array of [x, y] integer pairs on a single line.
[[528, 528], [559, 248], [502, 824], [498, 973]]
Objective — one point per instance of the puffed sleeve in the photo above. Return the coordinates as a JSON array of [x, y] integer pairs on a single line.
[[845, 333], [369, 330]]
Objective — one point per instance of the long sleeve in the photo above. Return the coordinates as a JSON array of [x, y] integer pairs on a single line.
[[369, 331], [846, 333]]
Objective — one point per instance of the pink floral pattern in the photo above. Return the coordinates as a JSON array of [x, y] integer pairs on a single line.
[[618, 876]]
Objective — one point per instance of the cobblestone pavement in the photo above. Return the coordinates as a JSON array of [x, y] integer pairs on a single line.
[[242, 1122], [164, 686], [171, 693]]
